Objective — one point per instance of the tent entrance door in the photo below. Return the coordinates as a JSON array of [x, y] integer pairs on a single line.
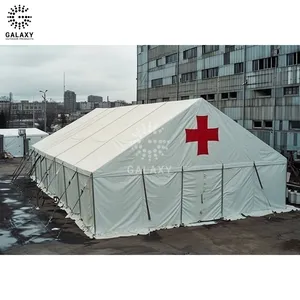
[[202, 196]]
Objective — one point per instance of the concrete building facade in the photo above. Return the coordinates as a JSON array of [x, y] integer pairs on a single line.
[[92, 98], [257, 86], [70, 101]]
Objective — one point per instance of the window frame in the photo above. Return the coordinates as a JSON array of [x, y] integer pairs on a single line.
[[210, 73], [171, 61], [256, 121], [226, 58], [156, 80], [295, 128], [292, 88], [213, 48], [190, 53]]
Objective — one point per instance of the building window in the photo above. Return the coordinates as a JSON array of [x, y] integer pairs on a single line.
[[294, 124], [159, 62], [231, 95], [171, 58], [208, 97], [263, 93], [209, 48], [185, 98], [265, 63], [152, 100], [156, 82], [174, 79], [227, 58], [186, 77], [293, 59], [224, 96], [210, 73], [291, 90], [166, 99], [142, 48], [191, 53], [268, 124], [257, 124], [238, 68], [229, 48]]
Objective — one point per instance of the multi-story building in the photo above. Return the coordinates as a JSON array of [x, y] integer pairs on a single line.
[[257, 86], [92, 98], [4, 106], [70, 101]]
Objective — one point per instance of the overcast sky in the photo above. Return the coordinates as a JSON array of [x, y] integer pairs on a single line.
[[90, 70]]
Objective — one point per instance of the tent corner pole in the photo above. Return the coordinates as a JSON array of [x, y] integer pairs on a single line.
[[94, 210], [146, 197], [222, 193], [181, 199], [79, 195], [66, 193]]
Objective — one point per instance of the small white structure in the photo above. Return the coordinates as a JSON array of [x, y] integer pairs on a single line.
[[135, 169], [14, 142]]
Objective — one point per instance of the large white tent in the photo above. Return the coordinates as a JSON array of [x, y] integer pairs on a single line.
[[135, 169], [14, 143]]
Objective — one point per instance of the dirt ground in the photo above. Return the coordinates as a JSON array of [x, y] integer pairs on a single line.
[[24, 229]]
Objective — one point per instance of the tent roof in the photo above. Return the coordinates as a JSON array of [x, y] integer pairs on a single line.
[[106, 135], [15, 132]]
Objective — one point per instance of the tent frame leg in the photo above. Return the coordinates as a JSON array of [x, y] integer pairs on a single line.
[[39, 157], [41, 160], [146, 198], [94, 209], [79, 194], [181, 199], [46, 178], [260, 183], [59, 199], [21, 167], [222, 193], [34, 165], [65, 185], [78, 201]]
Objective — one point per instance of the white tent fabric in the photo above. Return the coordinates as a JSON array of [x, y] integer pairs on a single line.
[[14, 143], [135, 169]]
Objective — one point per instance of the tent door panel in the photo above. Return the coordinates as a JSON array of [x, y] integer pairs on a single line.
[[238, 191], [202, 196], [164, 199]]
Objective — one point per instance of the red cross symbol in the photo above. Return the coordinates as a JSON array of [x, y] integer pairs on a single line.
[[202, 134]]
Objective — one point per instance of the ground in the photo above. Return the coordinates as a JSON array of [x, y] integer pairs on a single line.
[[24, 229]]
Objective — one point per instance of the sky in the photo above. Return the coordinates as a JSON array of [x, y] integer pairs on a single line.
[[89, 70]]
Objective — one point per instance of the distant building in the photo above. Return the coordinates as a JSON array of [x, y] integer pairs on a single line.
[[86, 106], [92, 98], [4, 106], [70, 101]]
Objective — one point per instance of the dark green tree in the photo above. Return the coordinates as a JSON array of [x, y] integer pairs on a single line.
[[63, 120]]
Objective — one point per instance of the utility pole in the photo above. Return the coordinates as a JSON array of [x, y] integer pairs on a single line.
[[33, 112], [244, 84], [9, 113], [45, 108]]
